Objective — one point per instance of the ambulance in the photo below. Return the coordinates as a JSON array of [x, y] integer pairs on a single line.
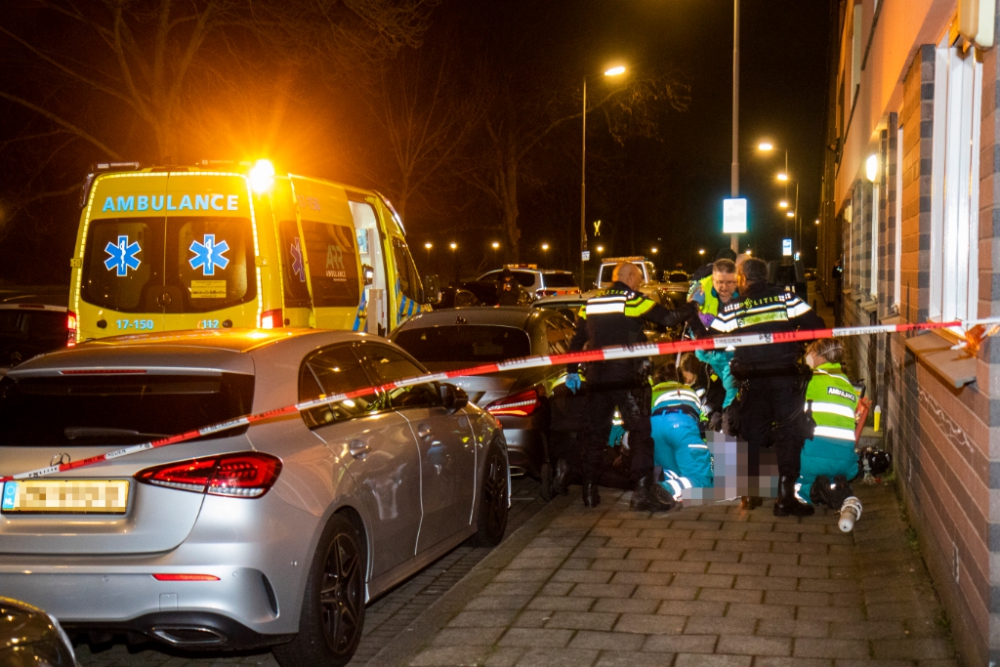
[[222, 245]]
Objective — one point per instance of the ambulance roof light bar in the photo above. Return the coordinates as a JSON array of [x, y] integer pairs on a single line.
[[115, 166]]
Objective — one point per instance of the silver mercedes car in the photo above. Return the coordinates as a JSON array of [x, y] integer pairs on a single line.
[[276, 534]]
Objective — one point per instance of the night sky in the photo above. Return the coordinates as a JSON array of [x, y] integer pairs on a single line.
[[783, 75], [665, 191]]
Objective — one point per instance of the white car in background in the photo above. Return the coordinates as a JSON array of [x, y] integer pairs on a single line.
[[540, 282]]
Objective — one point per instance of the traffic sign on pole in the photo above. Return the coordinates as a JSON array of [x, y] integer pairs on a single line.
[[734, 216]]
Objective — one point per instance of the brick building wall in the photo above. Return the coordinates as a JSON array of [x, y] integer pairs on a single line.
[[941, 435]]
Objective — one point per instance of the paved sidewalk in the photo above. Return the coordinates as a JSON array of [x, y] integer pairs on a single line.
[[709, 585]]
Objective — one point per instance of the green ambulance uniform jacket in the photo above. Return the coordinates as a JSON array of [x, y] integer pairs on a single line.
[[831, 450]]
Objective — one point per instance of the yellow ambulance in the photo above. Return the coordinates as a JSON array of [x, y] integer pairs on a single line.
[[223, 245]]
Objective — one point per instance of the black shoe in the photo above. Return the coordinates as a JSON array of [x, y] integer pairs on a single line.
[[560, 480], [787, 504], [650, 496], [591, 498]]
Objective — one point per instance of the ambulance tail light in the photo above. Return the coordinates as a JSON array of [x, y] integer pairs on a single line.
[[70, 329], [271, 319], [521, 404]]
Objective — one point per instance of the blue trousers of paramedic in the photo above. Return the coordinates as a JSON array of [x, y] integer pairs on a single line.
[[679, 449], [824, 456]]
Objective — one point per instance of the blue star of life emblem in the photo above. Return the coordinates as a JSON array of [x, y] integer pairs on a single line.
[[298, 268], [122, 256], [209, 255]]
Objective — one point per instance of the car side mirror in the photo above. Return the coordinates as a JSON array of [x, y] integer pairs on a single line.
[[454, 398]]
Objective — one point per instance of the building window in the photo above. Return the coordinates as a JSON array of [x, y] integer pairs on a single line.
[[955, 186], [873, 281], [897, 288]]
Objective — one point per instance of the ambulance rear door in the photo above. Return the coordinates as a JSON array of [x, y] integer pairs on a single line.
[[118, 264], [333, 268], [211, 278]]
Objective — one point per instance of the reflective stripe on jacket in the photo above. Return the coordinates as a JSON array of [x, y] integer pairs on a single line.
[[668, 395], [834, 401]]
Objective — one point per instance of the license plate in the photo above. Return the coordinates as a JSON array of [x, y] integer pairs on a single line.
[[66, 496]]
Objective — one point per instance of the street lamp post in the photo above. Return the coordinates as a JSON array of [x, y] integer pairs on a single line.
[[614, 71], [427, 247], [454, 258], [496, 246], [734, 239]]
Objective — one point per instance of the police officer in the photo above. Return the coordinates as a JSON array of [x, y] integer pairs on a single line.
[[614, 317], [772, 392]]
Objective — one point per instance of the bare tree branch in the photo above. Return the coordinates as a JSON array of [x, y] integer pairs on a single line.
[[80, 132]]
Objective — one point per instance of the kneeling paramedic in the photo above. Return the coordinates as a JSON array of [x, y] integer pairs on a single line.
[[611, 318], [829, 461], [678, 419], [772, 391]]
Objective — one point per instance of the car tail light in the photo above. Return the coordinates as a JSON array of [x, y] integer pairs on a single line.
[[70, 329], [166, 576], [271, 319], [519, 405], [239, 475]]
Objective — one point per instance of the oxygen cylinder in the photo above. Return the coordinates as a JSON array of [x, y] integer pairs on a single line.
[[850, 512]]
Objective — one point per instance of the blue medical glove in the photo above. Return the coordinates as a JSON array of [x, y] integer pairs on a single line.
[[573, 382]]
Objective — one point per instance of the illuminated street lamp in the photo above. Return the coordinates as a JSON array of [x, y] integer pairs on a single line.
[[701, 251], [790, 214], [427, 247], [600, 249], [614, 71], [496, 246], [766, 146], [545, 246], [454, 258], [654, 250]]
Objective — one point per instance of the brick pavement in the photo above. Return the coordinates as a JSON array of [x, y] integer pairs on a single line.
[[710, 585]]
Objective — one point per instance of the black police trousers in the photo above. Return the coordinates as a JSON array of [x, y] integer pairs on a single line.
[[772, 411], [633, 400]]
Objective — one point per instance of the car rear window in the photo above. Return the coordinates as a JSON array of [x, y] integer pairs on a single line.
[[465, 342], [606, 272], [559, 280], [117, 409]]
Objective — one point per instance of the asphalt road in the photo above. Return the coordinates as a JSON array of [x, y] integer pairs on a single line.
[[385, 619]]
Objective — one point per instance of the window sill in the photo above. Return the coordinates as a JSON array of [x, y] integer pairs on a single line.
[[869, 306], [933, 349]]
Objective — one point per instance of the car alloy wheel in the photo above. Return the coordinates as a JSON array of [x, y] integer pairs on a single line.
[[341, 594], [493, 505], [333, 603]]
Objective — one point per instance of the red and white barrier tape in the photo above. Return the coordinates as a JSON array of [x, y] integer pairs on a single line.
[[603, 354]]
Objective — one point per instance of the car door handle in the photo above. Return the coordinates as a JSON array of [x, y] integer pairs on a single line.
[[424, 431], [358, 449]]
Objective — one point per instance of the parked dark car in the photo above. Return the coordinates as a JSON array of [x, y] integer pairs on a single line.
[[31, 638], [34, 322], [519, 399], [479, 293]]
